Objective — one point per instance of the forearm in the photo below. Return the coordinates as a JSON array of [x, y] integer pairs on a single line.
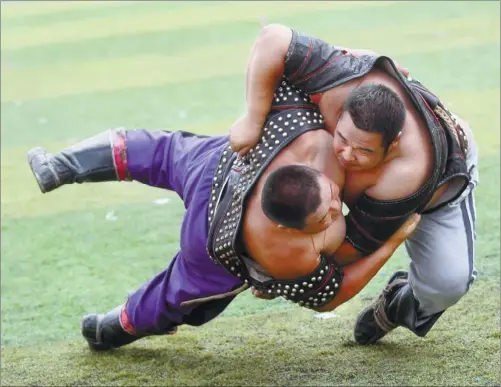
[[265, 69], [346, 254], [358, 274]]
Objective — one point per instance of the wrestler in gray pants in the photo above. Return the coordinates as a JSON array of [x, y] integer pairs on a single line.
[[442, 250]]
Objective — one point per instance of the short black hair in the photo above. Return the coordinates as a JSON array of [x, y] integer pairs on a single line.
[[378, 109], [290, 194]]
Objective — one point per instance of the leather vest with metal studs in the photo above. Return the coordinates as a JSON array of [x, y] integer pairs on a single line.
[[292, 114]]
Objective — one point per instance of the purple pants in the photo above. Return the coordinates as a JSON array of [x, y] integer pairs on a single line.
[[185, 163]]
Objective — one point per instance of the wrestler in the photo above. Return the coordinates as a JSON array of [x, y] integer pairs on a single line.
[[429, 167]]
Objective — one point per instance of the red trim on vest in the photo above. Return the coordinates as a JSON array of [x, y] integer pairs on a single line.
[[430, 109], [305, 61], [120, 156], [316, 98], [125, 322]]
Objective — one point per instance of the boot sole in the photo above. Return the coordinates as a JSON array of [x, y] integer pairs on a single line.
[[31, 156]]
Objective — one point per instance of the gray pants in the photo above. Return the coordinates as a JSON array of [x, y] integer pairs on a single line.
[[442, 249]]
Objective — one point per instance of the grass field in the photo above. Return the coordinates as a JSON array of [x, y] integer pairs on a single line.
[[72, 69]]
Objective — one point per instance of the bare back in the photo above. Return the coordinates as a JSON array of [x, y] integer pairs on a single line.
[[286, 253]]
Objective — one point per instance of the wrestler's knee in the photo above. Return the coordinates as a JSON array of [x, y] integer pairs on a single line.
[[439, 295]]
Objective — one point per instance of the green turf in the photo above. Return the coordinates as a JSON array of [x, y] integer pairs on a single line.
[[70, 70]]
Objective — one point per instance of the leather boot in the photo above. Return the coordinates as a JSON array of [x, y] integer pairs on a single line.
[[96, 159], [396, 306], [105, 331]]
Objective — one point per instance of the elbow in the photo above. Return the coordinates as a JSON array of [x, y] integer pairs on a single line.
[[274, 38]]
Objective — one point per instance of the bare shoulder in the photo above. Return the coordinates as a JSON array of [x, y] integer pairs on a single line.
[[399, 179]]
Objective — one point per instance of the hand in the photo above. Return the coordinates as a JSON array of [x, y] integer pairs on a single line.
[[405, 230], [244, 135], [359, 52], [262, 295]]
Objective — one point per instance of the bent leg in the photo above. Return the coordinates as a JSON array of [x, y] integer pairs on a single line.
[[442, 250], [155, 308], [442, 253]]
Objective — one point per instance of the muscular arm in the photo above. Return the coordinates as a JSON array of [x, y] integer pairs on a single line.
[[265, 69], [358, 274]]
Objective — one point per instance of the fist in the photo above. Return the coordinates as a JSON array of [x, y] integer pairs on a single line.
[[406, 229], [262, 295], [244, 135]]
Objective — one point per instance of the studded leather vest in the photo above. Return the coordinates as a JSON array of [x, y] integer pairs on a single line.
[[292, 114]]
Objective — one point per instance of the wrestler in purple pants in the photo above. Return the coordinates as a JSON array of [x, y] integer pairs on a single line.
[[178, 161], [184, 163]]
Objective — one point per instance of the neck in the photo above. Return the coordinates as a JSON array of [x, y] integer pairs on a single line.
[[392, 154]]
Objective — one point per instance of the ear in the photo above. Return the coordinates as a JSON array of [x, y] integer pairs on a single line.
[[395, 142]]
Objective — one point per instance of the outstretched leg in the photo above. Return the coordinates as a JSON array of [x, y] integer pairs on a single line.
[[157, 307], [170, 160]]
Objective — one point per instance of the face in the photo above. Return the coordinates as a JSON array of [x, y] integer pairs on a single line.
[[328, 211], [357, 149]]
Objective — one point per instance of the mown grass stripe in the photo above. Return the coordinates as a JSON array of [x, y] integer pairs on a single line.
[[177, 41], [22, 9], [110, 9], [212, 12], [144, 70]]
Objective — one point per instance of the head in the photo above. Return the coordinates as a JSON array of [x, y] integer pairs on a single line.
[[369, 128], [299, 197]]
